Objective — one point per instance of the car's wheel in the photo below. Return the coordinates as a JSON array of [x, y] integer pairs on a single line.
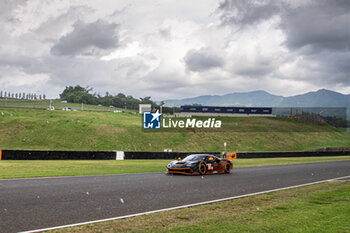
[[202, 168], [227, 168]]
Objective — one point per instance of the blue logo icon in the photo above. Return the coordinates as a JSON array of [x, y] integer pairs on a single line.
[[151, 120]]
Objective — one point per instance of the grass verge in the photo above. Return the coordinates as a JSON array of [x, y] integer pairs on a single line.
[[37, 129], [315, 208], [46, 168]]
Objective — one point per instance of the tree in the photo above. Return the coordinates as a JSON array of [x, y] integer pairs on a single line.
[[78, 94], [121, 95]]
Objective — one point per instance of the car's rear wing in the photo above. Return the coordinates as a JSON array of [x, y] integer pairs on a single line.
[[231, 155]]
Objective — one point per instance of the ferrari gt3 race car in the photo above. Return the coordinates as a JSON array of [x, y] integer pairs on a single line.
[[200, 164]]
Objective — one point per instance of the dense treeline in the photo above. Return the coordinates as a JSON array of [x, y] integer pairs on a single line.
[[78, 94]]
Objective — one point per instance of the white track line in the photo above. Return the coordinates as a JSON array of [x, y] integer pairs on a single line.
[[183, 206]]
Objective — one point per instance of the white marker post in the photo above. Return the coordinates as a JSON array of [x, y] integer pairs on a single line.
[[225, 144]]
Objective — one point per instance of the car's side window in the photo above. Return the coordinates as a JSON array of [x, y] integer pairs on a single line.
[[216, 160], [210, 159]]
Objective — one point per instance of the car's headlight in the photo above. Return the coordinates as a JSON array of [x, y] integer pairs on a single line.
[[170, 164]]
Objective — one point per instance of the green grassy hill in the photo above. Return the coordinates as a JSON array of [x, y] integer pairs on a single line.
[[81, 130]]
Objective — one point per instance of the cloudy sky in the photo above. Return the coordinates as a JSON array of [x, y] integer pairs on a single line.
[[175, 48]]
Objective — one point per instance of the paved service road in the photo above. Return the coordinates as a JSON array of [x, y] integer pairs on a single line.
[[28, 204]]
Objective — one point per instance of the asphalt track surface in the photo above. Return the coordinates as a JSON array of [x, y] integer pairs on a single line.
[[29, 204]]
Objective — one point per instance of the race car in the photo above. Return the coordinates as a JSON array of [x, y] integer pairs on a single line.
[[200, 164]]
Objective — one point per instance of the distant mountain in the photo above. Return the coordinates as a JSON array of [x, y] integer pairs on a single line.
[[320, 98]]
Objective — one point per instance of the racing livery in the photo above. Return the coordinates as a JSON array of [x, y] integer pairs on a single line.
[[200, 164]]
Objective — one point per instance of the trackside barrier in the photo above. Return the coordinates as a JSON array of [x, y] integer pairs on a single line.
[[92, 155], [121, 155], [251, 155], [57, 155], [161, 155]]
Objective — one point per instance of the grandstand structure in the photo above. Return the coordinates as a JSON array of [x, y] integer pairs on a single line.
[[187, 110]]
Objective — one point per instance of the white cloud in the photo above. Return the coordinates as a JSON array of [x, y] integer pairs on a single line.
[[174, 49], [18, 81]]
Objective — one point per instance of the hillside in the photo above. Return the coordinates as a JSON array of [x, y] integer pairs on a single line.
[[80, 130], [320, 98]]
